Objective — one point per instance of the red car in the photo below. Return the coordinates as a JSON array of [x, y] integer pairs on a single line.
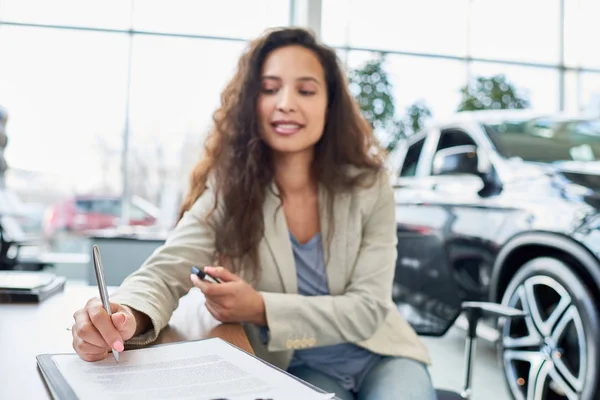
[[83, 213]]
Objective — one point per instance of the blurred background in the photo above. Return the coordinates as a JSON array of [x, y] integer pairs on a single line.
[[104, 104]]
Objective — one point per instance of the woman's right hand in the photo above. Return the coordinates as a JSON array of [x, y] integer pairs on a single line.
[[95, 332]]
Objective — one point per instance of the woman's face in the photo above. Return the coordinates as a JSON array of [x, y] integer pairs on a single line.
[[293, 100]]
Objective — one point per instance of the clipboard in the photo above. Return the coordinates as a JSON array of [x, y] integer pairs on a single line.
[[61, 389]]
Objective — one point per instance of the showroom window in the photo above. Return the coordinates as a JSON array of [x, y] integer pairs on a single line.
[[78, 78]]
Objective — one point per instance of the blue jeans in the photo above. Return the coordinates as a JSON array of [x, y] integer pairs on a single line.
[[393, 378]]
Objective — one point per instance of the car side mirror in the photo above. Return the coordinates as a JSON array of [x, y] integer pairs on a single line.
[[464, 159]]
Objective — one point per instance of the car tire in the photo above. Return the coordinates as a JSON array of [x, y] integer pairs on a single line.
[[552, 353]]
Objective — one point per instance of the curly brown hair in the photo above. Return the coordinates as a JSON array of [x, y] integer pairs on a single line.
[[241, 162]]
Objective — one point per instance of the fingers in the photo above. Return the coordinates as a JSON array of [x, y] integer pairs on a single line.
[[84, 329], [87, 341], [199, 283], [216, 311], [114, 307], [88, 351], [119, 321], [104, 324], [95, 332], [125, 321], [222, 273], [210, 289], [227, 288]]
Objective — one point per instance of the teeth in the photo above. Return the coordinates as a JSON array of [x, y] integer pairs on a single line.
[[288, 126]]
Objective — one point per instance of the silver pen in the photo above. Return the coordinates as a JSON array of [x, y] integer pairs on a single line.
[[102, 287]]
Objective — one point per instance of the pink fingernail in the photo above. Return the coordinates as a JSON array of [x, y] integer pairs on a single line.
[[118, 346]]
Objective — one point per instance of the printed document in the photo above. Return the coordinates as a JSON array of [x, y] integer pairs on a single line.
[[207, 369]]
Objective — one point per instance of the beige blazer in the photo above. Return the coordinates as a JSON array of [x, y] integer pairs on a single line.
[[360, 272]]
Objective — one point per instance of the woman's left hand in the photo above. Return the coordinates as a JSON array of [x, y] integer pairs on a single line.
[[232, 300]]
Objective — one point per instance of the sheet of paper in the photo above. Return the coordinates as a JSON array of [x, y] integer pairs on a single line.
[[205, 370]]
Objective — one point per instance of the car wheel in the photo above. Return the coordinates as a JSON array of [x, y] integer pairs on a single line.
[[553, 352]]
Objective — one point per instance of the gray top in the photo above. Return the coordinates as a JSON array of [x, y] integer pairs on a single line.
[[344, 362]]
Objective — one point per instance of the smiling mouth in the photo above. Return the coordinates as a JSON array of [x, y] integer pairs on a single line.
[[287, 129]]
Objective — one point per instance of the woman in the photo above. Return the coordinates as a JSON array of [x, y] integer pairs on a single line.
[[292, 199]]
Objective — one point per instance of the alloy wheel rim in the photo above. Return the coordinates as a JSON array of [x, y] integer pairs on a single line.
[[544, 354]]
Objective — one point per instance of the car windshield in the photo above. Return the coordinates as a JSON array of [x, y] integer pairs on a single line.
[[546, 140]]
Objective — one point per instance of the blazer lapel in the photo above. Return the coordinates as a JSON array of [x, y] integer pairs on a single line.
[[335, 255], [277, 237]]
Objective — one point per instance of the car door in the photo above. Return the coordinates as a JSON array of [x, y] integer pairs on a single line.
[[421, 283], [469, 236]]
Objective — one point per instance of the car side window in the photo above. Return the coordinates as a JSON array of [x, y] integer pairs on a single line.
[[452, 138], [409, 166]]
